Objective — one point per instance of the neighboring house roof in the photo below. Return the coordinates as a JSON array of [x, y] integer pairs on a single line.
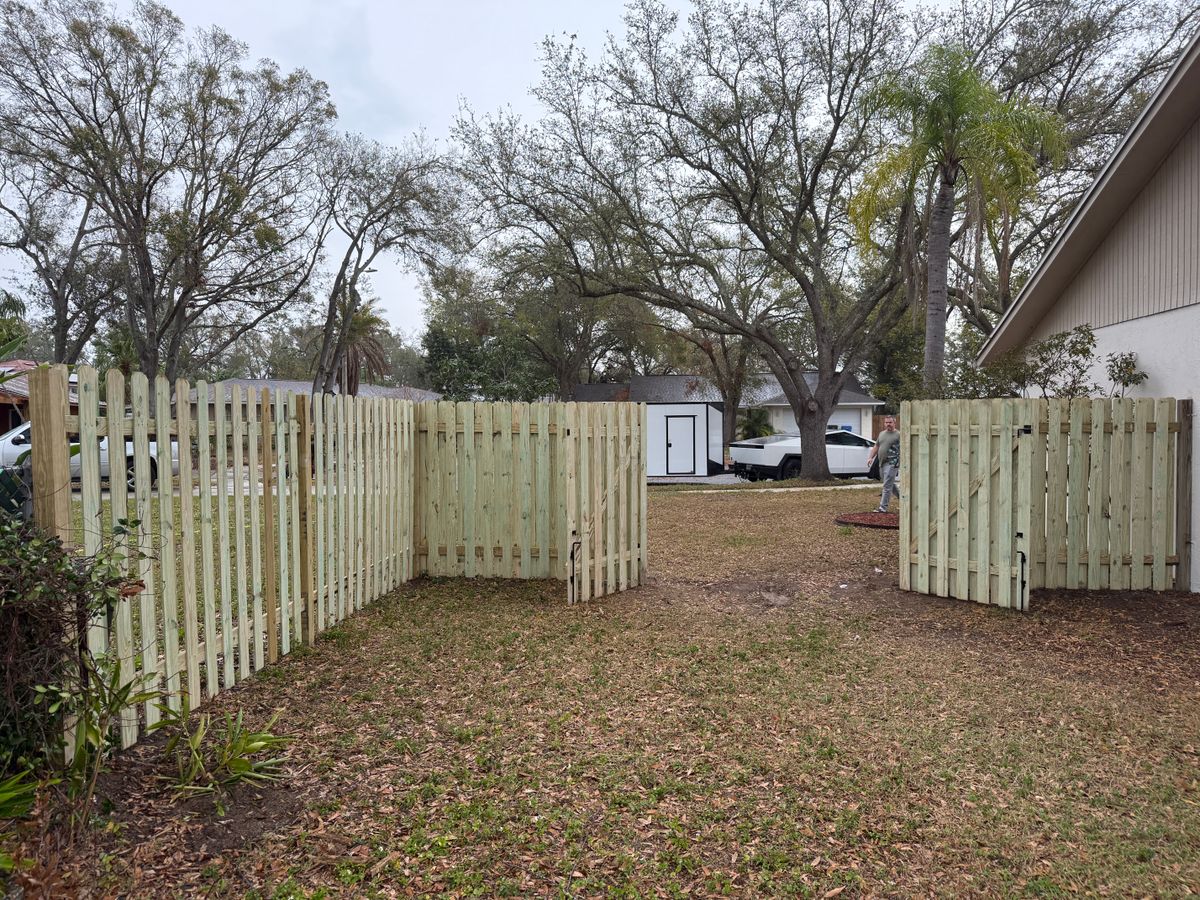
[[673, 389], [651, 389], [15, 390], [602, 392], [766, 392], [762, 390], [401, 392], [1165, 120]]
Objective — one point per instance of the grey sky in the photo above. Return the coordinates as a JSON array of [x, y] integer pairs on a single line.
[[396, 67]]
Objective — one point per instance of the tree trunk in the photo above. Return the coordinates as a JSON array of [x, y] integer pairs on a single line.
[[728, 428], [936, 296], [814, 461], [811, 418]]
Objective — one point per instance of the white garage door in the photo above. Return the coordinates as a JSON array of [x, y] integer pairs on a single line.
[[843, 418]]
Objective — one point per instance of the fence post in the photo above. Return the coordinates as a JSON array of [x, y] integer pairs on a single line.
[[306, 539], [1183, 498], [271, 597], [50, 451]]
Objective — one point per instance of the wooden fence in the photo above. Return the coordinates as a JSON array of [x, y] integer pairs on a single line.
[[543, 490], [1004, 496], [285, 515]]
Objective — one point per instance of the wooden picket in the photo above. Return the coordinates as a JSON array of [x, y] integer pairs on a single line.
[[284, 516], [1004, 496]]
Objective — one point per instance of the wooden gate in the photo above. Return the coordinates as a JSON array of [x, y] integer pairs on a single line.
[[606, 498], [964, 530], [1003, 496]]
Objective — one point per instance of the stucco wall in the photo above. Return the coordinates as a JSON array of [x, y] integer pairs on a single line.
[[1168, 350]]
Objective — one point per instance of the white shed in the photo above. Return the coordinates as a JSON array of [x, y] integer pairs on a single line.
[[685, 414], [683, 421]]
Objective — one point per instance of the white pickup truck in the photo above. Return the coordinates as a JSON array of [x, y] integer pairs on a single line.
[[778, 456], [14, 445]]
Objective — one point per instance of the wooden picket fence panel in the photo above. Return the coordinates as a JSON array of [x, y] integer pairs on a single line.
[[1005, 496], [489, 491], [605, 493], [287, 514], [542, 490]]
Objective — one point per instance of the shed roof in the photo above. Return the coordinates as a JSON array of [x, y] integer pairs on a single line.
[[601, 392], [1172, 110]]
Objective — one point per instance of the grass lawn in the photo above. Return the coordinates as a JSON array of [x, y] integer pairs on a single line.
[[769, 717]]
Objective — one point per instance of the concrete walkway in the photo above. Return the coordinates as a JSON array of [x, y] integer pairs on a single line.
[[860, 486]]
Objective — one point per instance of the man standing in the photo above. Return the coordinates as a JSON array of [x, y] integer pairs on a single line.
[[887, 448]]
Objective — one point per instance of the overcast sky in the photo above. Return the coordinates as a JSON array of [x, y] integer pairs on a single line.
[[396, 67]]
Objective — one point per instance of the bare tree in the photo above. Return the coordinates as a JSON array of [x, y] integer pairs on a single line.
[[200, 164], [677, 153], [67, 245], [382, 200]]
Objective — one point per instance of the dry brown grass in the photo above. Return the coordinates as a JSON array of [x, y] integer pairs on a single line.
[[769, 717]]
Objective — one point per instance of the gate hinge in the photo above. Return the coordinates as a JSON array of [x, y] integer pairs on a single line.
[[1024, 429]]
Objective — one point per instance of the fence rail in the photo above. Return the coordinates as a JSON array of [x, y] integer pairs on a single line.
[[273, 516], [1004, 496]]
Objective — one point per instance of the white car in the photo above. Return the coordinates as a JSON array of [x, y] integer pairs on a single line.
[[15, 444], [778, 456]]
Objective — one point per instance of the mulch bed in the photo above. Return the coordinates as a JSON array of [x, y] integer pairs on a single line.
[[870, 520]]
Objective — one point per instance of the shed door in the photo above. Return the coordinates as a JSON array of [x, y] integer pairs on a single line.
[[681, 445]]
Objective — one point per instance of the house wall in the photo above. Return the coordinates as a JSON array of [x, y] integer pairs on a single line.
[[1168, 351], [857, 417], [1150, 262], [656, 435]]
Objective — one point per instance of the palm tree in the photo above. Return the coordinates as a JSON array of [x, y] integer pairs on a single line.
[[361, 349], [756, 422], [964, 136]]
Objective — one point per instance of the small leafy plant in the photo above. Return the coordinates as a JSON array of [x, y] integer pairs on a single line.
[[91, 709], [17, 795], [211, 760]]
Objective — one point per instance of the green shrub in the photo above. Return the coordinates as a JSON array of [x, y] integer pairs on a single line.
[[47, 597]]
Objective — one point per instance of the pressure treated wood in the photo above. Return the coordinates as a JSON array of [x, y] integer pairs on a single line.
[[50, 459], [1003, 496], [119, 520], [166, 543], [147, 632], [89, 488], [270, 531], [286, 517]]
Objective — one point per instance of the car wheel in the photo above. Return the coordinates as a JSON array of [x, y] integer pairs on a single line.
[[790, 469], [131, 480]]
